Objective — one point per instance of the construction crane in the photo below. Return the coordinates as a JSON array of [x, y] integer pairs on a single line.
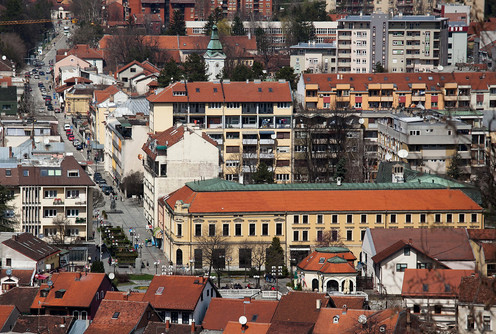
[[10, 23]]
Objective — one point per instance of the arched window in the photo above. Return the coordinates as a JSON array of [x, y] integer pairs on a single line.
[[179, 257], [332, 285], [315, 284]]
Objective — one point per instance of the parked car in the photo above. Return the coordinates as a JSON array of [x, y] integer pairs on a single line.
[[107, 190], [70, 137], [57, 110], [42, 73], [76, 142], [67, 126], [97, 175], [79, 147], [36, 76], [68, 132], [50, 107]]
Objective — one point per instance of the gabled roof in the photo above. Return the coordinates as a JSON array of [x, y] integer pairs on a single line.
[[30, 246], [79, 80], [103, 94], [175, 292], [222, 310], [233, 327], [478, 290], [235, 91], [47, 323], [119, 316], [398, 246], [146, 65], [329, 260], [80, 289], [84, 51], [433, 282], [25, 276], [21, 297], [442, 244], [278, 198], [489, 251], [5, 314], [482, 234], [119, 295], [299, 307], [351, 302]]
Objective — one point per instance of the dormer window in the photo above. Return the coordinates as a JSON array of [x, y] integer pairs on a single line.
[[115, 315], [322, 260], [335, 319], [44, 292], [73, 173], [179, 93], [59, 293]]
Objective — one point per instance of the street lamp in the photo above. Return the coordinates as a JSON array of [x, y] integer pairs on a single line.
[[156, 263], [191, 263]]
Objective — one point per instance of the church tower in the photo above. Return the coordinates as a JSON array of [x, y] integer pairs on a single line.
[[215, 56]]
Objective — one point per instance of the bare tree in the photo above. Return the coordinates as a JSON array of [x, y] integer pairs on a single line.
[[88, 11], [330, 238], [98, 199], [259, 258], [60, 222], [215, 248]]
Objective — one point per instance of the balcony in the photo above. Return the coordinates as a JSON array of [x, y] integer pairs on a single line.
[[450, 98], [250, 155], [250, 141], [463, 97], [266, 155], [58, 201], [267, 141], [417, 98], [76, 201]]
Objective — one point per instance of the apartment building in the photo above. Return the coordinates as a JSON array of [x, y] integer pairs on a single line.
[[15, 131], [313, 57], [457, 43], [430, 142], [250, 121], [173, 157], [387, 91], [367, 7], [300, 214], [48, 188]]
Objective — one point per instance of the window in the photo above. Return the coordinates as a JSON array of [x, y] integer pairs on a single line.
[[437, 218], [486, 322], [296, 235], [252, 230], [474, 218], [305, 219], [363, 219], [237, 228], [174, 317], [320, 219], [422, 217], [72, 193], [400, 267], [470, 322], [245, 258], [225, 230], [179, 230], [215, 105], [282, 177], [72, 173], [72, 212], [198, 259], [408, 218], [362, 234], [378, 219], [406, 251], [320, 233], [198, 230], [296, 219], [449, 218], [211, 230], [185, 318], [304, 236], [349, 235], [393, 218], [278, 229], [8, 262], [232, 105], [461, 218], [334, 219], [25, 172], [50, 193], [8, 172], [349, 219], [265, 229]]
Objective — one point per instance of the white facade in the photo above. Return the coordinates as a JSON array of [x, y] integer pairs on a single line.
[[192, 158], [215, 66], [126, 75], [484, 318], [457, 45]]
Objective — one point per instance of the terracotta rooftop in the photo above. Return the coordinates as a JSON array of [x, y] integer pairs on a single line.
[[233, 327], [175, 292], [411, 200], [478, 290], [77, 80], [118, 316], [56, 324], [482, 234], [402, 81], [25, 276], [84, 51], [329, 260], [79, 290], [5, 313], [119, 295], [103, 94], [284, 327], [443, 244], [146, 65], [21, 297], [432, 282], [235, 91], [351, 302], [299, 307], [398, 246], [30, 246], [489, 251], [222, 310], [154, 327]]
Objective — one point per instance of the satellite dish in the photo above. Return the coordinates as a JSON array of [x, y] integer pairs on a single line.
[[361, 121], [111, 275], [50, 283], [4, 58], [388, 157], [440, 68], [362, 319], [273, 136], [46, 141], [242, 320], [403, 153], [9, 272]]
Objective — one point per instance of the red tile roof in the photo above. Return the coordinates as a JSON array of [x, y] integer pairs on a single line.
[[103, 94], [175, 292], [154, 327], [396, 247], [225, 92], [5, 313], [30, 246], [482, 234], [118, 316], [334, 260], [80, 289], [284, 327], [351, 302], [489, 251], [46, 323], [444, 244], [233, 327], [119, 295], [221, 310], [299, 307], [25, 276], [410, 200], [478, 290], [78, 80], [84, 51], [21, 297], [342, 321], [432, 282], [402, 81]]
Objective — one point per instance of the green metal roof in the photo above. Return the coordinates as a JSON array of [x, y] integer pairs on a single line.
[[461, 112], [214, 46], [336, 259], [218, 185], [332, 249]]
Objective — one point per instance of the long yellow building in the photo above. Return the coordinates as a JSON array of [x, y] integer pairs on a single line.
[[301, 215]]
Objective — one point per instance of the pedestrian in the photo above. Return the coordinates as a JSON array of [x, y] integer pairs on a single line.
[[110, 260]]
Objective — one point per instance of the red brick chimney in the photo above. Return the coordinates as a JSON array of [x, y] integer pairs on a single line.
[[247, 300], [167, 325], [193, 326]]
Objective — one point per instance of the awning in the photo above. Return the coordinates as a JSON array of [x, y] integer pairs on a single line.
[[267, 132], [96, 146], [39, 276], [157, 233]]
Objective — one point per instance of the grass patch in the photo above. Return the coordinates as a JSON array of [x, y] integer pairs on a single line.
[[140, 287], [141, 277]]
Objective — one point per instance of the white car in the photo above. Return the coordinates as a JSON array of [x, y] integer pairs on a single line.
[[76, 142], [67, 126]]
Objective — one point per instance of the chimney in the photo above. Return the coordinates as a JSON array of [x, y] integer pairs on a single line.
[[167, 325], [345, 309], [247, 300], [410, 241], [10, 151], [318, 304], [193, 326], [125, 296]]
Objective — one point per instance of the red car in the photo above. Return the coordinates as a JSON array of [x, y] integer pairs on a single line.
[[70, 137], [68, 131]]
